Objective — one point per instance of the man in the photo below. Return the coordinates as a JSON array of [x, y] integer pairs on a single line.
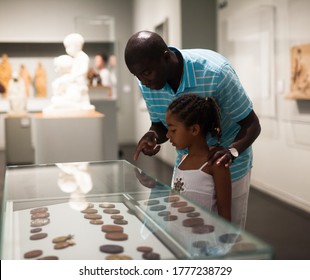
[[164, 73]]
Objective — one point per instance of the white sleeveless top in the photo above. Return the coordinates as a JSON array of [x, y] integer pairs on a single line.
[[196, 185]]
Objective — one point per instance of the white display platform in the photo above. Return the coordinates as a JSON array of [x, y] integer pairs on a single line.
[[68, 138]]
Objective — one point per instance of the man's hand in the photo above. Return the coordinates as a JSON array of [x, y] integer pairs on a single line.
[[144, 179], [147, 145], [220, 155]]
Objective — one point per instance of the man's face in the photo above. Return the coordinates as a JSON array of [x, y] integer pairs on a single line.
[[152, 73]]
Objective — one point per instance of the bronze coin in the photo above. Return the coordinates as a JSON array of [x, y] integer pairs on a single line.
[[171, 199], [107, 205], [151, 202], [90, 205], [116, 236], [120, 222], [96, 222], [35, 230], [170, 218], [186, 209], [39, 210], [111, 211], [158, 207], [111, 249], [39, 222], [92, 216], [200, 244], [179, 204], [164, 213], [118, 257], [112, 228], [40, 215], [33, 254], [243, 246], [117, 217], [89, 211], [203, 229], [230, 238], [49, 258], [151, 256], [144, 249], [193, 214], [192, 222], [63, 245], [62, 238], [38, 236]]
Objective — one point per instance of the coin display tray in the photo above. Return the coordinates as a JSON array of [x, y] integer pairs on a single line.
[[88, 237]]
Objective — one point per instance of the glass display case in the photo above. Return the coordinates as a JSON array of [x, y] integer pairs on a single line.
[[110, 210]]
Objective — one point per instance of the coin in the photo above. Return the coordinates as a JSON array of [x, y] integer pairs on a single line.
[[107, 205], [38, 236], [39, 210], [116, 236], [49, 258], [120, 222], [203, 229], [192, 222], [144, 249], [112, 228], [158, 207], [118, 257], [117, 217], [230, 238], [62, 238], [151, 256], [178, 204], [111, 249], [170, 218], [193, 214], [111, 211], [243, 246], [90, 205], [171, 199], [39, 222], [164, 213], [35, 230], [96, 222], [151, 202], [92, 216], [200, 244], [186, 209], [40, 215], [63, 245], [89, 211], [33, 254]]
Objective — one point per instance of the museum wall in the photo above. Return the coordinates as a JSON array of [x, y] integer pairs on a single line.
[[38, 21], [269, 28]]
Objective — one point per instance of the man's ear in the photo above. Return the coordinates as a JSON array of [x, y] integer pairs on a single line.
[[195, 129], [167, 55]]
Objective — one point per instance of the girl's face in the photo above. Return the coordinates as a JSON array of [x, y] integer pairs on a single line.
[[179, 135]]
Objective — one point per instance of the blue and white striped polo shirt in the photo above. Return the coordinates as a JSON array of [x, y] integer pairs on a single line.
[[208, 73]]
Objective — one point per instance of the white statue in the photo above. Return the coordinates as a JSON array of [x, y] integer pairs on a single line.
[[70, 89], [17, 96]]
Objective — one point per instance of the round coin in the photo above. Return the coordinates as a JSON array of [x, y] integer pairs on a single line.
[[112, 228], [33, 254], [193, 214], [111, 211], [107, 205], [164, 213], [38, 236], [144, 249], [62, 245], [200, 244], [89, 211], [116, 236], [39, 222], [62, 238], [243, 246], [117, 217], [158, 207], [120, 222], [49, 258], [118, 257], [179, 204], [192, 222], [186, 209], [230, 238], [92, 216], [170, 218], [39, 210], [111, 249], [40, 215], [151, 202], [35, 230], [90, 205], [96, 222], [200, 229], [151, 256], [171, 199]]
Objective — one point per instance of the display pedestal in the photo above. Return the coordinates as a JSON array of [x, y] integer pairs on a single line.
[[68, 138]]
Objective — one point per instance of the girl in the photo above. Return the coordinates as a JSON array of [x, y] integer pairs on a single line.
[[190, 118]]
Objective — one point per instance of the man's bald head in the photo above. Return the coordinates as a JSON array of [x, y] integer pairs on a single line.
[[144, 45]]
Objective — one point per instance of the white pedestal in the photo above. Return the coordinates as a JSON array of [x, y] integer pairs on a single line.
[[68, 138]]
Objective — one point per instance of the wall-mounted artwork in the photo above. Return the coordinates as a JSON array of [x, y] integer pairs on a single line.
[[300, 72]]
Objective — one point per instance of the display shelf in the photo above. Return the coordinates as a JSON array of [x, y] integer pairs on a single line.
[[153, 216]]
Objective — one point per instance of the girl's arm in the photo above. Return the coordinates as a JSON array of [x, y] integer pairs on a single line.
[[222, 181]]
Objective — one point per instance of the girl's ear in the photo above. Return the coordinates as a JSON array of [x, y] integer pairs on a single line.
[[195, 129]]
